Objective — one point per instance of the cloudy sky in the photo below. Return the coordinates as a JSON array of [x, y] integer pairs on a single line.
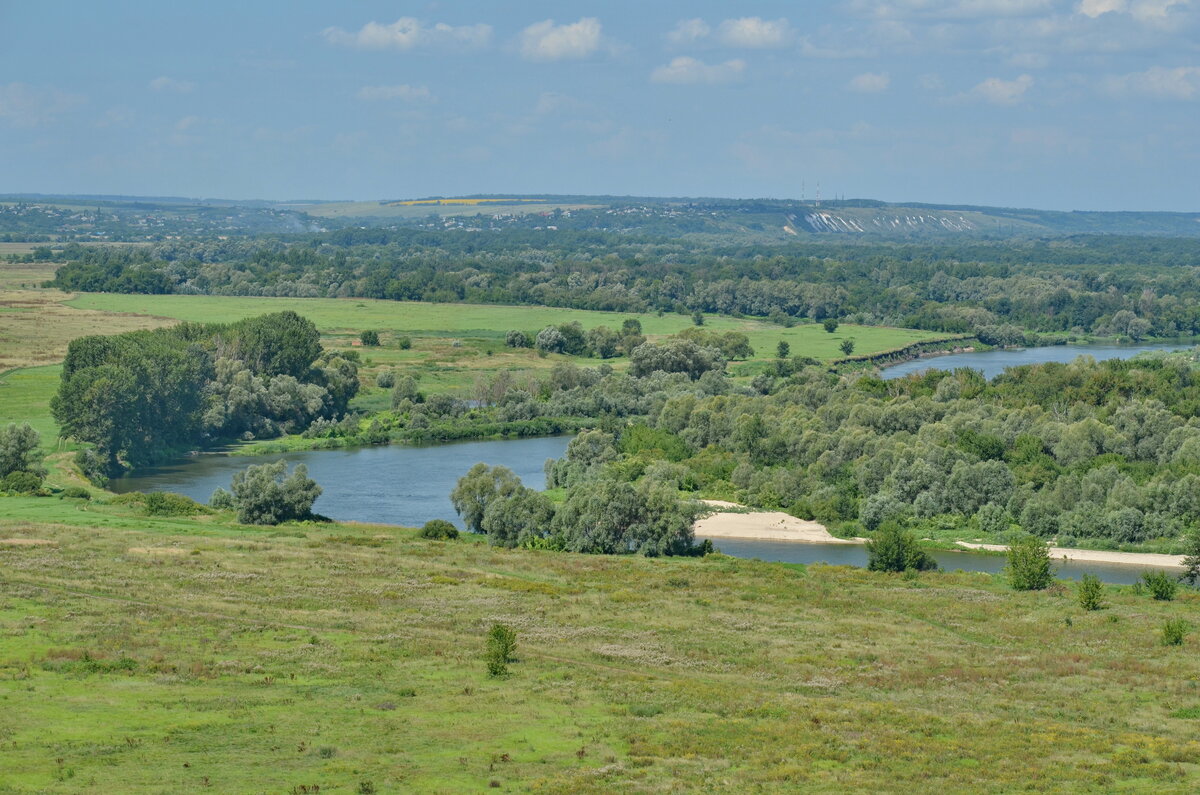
[[1070, 104]]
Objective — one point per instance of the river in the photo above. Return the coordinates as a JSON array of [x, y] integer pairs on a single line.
[[395, 484], [994, 362], [856, 555]]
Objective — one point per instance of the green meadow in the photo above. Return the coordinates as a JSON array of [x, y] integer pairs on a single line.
[[147, 654]]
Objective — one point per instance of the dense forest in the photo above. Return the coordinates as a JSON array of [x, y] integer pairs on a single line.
[[140, 397], [1131, 287]]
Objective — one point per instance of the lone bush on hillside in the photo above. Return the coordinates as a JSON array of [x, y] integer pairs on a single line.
[[895, 549], [386, 379], [439, 529], [830, 324], [501, 643], [1161, 585], [165, 503], [1090, 592], [1029, 564], [369, 338], [263, 495], [1173, 632]]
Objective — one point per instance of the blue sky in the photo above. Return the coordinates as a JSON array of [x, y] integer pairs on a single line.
[[1070, 104]]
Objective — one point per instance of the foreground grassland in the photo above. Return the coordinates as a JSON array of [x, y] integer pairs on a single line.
[[140, 654]]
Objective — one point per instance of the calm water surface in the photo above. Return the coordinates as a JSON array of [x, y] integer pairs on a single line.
[[397, 484], [994, 362], [856, 555]]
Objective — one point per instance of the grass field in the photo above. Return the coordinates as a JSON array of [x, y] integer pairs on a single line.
[[142, 654]]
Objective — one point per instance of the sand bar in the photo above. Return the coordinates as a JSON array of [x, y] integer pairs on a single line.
[[1096, 555], [764, 526]]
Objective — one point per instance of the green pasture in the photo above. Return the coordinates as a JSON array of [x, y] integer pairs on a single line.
[[345, 317], [174, 654]]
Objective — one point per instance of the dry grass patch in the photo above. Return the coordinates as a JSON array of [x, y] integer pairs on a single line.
[[36, 326]]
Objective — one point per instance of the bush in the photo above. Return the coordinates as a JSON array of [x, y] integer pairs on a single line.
[[263, 495], [92, 466], [830, 324], [847, 346], [1029, 564], [21, 482], [501, 643], [404, 342], [439, 529], [1174, 631], [517, 339], [369, 338], [386, 379], [221, 500], [1090, 592], [1161, 585], [19, 450], [165, 503], [76, 493], [895, 549]]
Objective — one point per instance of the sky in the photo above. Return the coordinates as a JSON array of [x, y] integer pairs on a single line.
[[1056, 104]]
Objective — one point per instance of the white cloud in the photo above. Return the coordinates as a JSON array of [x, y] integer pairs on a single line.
[[685, 70], [545, 41], [22, 105], [1149, 11], [949, 9], [403, 92], [409, 33], [1002, 92], [171, 84], [755, 32], [870, 82], [689, 31], [1182, 82]]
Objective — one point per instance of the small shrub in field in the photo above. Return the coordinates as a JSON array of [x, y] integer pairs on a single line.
[[386, 379], [896, 549], [1090, 592], [1161, 585], [439, 529], [21, 482], [501, 643], [326, 752], [405, 343], [76, 493], [165, 503], [830, 324], [1029, 564], [1174, 631], [369, 338]]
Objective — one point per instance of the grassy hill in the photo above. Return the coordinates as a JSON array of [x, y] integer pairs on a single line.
[[148, 654]]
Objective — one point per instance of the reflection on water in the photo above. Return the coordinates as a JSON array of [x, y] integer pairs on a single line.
[[992, 363], [397, 484]]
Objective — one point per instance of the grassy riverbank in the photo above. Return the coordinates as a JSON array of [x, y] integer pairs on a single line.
[[143, 654]]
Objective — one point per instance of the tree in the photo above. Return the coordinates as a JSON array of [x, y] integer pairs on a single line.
[[1090, 592], [1161, 585], [603, 341], [265, 494], [501, 644], [895, 549], [830, 324], [477, 489], [550, 340], [847, 346], [698, 318], [1191, 560], [369, 338], [439, 529], [517, 339], [783, 349], [520, 519], [19, 450], [674, 356], [281, 343], [1028, 566], [613, 517]]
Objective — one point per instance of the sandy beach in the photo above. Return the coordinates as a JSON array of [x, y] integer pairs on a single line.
[[1096, 555], [779, 526], [763, 525]]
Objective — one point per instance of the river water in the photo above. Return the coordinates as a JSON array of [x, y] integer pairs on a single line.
[[396, 484], [994, 362], [856, 555]]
